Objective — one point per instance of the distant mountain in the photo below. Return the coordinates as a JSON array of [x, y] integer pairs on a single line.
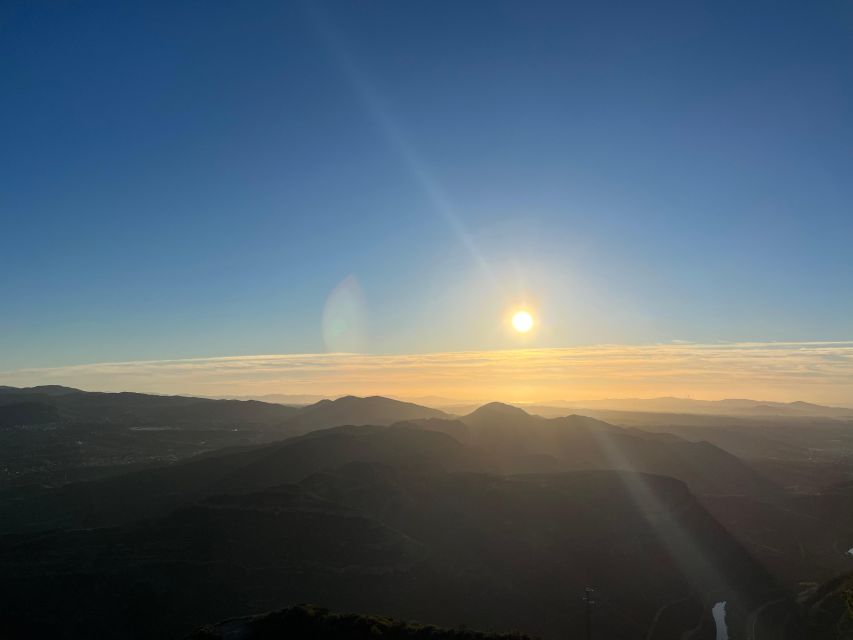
[[69, 435], [454, 548], [733, 407], [313, 623], [47, 390], [497, 438], [496, 411], [139, 409], [509, 440]]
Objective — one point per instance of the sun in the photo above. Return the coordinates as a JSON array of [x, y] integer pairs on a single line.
[[522, 321]]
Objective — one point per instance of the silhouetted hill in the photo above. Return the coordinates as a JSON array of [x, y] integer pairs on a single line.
[[98, 428], [799, 453], [495, 438], [145, 409], [140, 409], [513, 441], [158, 410], [374, 410], [45, 389], [314, 623], [496, 411], [72, 434]]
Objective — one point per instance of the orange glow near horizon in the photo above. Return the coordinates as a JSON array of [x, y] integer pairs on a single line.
[[816, 372]]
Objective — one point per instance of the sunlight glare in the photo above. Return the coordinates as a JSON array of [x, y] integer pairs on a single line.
[[522, 321]]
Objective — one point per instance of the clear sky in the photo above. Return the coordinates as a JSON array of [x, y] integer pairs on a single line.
[[201, 179]]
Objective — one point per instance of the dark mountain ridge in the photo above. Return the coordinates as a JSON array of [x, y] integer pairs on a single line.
[[352, 410], [52, 436], [727, 407], [495, 438], [514, 441], [73, 405], [135, 409]]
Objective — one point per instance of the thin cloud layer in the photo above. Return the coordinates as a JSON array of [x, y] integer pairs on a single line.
[[813, 371]]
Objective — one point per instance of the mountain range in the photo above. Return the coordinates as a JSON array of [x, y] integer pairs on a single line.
[[728, 407], [496, 518]]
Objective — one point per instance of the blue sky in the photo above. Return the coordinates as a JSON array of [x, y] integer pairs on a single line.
[[196, 179]]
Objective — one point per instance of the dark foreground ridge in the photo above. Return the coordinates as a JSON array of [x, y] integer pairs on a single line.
[[308, 622]]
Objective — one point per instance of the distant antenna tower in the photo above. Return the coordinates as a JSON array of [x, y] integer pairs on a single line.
[[588, 603]]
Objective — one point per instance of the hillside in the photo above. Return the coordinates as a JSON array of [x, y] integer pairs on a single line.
[[803, 538], [475, 549]]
